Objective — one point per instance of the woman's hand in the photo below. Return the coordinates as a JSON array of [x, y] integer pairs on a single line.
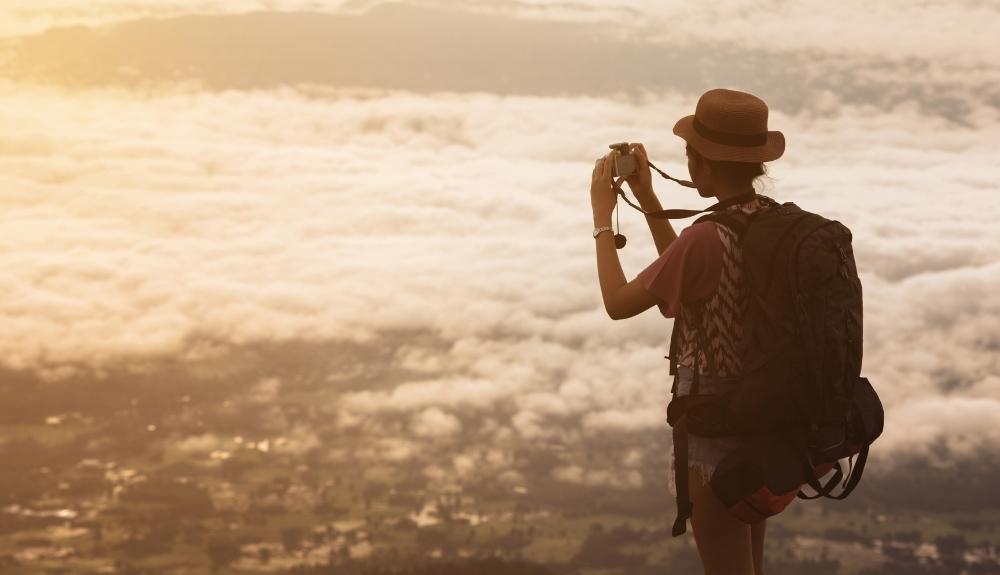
[[602, 196], [641, 181]]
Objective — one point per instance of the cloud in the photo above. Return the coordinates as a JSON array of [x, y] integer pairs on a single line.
[[878, 61], [298, 441], [38, 15], [265, 391], [617, 479], [433, 422], [965, 426], [944, 34], [141, 227], [625, 419]]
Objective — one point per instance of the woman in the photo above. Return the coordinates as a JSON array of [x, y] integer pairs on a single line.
[[698, 275]]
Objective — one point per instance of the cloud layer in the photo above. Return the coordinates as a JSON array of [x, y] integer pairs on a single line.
[[140, 227], [947, 34], [435, 50], [193, 204]]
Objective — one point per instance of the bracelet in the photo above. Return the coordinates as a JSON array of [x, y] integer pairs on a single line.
[[599, 231]]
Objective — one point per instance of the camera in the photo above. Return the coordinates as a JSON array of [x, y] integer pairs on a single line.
[[625, 163]]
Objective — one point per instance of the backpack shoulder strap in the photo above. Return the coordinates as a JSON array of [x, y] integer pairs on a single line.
[[736, 221]]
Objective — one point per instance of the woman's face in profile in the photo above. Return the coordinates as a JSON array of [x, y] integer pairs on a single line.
[[696, 169]]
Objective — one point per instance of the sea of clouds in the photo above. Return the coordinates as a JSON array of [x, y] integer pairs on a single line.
[[131, 224], [136, 225]]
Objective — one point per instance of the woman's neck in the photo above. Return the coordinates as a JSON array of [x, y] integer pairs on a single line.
[[723, 193]]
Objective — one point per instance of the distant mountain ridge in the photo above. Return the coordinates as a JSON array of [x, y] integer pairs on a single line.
[[403, 47], [392, 46]]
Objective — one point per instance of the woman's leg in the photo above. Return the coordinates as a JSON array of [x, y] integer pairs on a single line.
[[757, 543], [723, 540]]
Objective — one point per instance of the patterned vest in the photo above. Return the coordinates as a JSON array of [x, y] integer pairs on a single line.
[[722, 313]]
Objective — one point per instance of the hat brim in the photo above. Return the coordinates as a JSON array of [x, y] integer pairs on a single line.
[[772, 149]]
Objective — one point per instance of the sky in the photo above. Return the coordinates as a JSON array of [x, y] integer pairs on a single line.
[[178, 199], [956, 32]]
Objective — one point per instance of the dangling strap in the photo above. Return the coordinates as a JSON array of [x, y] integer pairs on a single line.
[[850, 468], [852, 480], [855, 477], [683, 499], [821, 490], [680, 431]]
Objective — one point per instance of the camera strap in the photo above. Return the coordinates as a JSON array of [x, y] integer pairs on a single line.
[[677, 213], [672, 214], [684, 183]]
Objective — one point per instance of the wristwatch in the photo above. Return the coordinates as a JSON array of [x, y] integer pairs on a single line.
[[597, 231]]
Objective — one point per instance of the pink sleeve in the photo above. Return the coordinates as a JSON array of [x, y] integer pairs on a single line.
[[687, 271]]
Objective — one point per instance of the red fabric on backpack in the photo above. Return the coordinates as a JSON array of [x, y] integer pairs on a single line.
[[763, 504]]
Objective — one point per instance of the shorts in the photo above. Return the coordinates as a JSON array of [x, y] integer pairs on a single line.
[[704, 453]]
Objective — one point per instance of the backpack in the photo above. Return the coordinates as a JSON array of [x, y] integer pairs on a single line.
[[802, 404]]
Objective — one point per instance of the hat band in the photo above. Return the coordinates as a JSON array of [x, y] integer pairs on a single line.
[[742, 140]]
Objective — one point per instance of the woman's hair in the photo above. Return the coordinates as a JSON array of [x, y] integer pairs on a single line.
[[739, 173]]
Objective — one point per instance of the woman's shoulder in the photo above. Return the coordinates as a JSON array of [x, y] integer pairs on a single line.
[[702, 234], [700, 229], [699, 241]]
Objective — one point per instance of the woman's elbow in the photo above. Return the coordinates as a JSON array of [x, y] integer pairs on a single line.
[[617, 314]]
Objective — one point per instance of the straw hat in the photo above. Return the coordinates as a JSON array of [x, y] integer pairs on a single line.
[[731, 126]]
